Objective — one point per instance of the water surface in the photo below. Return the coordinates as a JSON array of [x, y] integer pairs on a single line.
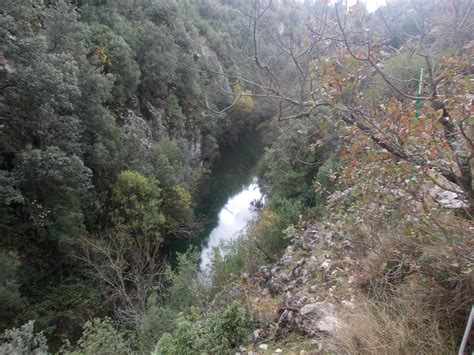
[[232, 219], [225, 203]]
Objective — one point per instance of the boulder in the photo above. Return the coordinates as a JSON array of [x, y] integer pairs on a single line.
[[448, 199], [317, 317]]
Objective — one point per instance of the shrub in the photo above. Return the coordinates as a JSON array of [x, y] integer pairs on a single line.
[[227, 329], [10, 297], [101, 336], [219, 333], [268, 230], [23, 340]]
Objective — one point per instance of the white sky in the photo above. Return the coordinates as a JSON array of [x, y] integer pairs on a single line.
[[372, 5]]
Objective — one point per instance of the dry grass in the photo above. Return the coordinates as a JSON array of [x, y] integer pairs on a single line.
[[401, 325], [416, 287]]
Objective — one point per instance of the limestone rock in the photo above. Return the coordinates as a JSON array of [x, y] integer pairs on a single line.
[[135, 127], [448, 199], [317, 317], [156, 116], [256, 335], [348, 304], [194, 144], [325, 265]]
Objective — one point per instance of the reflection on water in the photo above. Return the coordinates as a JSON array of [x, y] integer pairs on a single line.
[[224, 201], [232, 218]]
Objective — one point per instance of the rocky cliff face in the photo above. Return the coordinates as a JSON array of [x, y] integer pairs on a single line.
[[135, 126], [148, 121], [308, 289]]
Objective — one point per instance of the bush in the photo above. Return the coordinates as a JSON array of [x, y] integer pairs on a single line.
[[100, 337], [227, 329], [179, 289], [23, 340], [10, 297], [219, 333], [268, 230]]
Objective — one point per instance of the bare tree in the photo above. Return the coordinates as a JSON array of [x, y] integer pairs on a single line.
[[128, 268], [294, 97], [343, 42], [364, 47]]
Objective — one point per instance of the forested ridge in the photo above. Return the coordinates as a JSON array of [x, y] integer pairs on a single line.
[[102, 133], [112, 113]]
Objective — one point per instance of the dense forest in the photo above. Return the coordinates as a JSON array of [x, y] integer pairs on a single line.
[[112, 113]]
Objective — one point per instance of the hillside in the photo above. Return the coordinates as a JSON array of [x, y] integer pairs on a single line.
[[124, 127]]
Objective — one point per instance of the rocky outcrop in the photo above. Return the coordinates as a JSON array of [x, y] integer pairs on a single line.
[[135, 127], [194, 144], [451, 199], [156, 118], [211, 55], [306, 279], [154, 128]]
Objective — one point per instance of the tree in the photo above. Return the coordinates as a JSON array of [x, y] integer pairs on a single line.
[[137, 206], [338, 62], [111, 53], [10, 297], [126, 259], [158, 58], [53, 184], [129, 270]]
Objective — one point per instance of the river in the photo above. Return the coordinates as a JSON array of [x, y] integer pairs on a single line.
[[225, 203]]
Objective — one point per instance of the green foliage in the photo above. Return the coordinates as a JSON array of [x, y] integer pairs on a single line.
[[174, 114], [406, 67], [112, 54], [228, 328], [23, 340], [161, 319], [228, 261], [245, 104], [291, 162], [158, 59], [187, 339], [178, 291], [101, 336], [9, 195], [67, 168], [177, 207], [169, 163], [220, 332], [54, 184], [185, 287], [137, 202], [10, 297], [269, 231], [63, 309]]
